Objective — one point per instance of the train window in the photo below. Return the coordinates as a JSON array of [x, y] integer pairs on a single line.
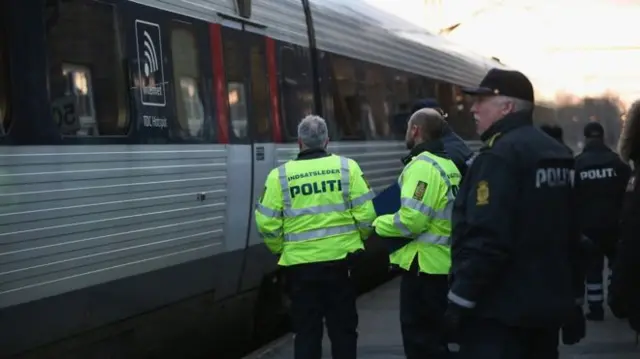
[[376, 106], [445, 97], [430, 88], [4, 82], [186, 75], [259, 89], [346, 99], [421, 87], [236, 87], [401, 90], [401, 103], [415, 87], [295, 87], [86, 77], [460, 116]]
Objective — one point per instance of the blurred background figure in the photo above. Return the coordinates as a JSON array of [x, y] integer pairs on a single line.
[[601, 177], [556, 133], [625, 281]]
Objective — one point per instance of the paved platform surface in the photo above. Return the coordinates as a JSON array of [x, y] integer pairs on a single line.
[[379, 331]]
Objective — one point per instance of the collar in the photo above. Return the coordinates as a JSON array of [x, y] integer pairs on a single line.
[[313, 153], [435, 147], [596, 146], [446, 129], [507, 123]]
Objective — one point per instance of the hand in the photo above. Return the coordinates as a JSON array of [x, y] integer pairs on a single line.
[[575, 328]]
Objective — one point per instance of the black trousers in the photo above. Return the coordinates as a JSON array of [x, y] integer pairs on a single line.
[[323, 292], [489, 339], [605, 246], [423, 301]]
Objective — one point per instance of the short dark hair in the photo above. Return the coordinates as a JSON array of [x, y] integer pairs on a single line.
[[430, 121], [554, 131], [593, 130]]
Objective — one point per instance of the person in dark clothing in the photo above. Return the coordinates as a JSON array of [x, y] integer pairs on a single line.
[[455, 147], [517, 273], [624, 295], [556, 133], [601, 178]]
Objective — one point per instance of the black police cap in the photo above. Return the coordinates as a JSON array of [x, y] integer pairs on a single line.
[[499, 82], [593, 129]]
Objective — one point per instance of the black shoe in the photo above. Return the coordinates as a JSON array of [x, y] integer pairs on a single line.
[[595, 314]]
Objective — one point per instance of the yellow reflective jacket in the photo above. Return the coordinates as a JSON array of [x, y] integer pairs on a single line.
[[428, 185], [315, 210]]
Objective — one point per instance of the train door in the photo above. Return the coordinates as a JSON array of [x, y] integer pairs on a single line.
[[249, 70]]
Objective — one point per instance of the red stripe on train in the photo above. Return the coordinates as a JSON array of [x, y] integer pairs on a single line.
[[219, 82], [273, 89]]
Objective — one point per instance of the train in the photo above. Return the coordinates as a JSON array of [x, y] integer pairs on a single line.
[[135, 139]]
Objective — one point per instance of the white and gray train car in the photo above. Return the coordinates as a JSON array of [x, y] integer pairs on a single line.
[[136, 137]]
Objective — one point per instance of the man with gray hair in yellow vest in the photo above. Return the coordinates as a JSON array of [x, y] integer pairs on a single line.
[[315, 212], [428, 186]]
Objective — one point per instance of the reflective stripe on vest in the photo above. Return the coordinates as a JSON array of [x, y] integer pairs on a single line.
[[444, 214], [346, 205]]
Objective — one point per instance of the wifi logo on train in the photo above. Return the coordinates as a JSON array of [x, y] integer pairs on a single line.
[[150, 77]]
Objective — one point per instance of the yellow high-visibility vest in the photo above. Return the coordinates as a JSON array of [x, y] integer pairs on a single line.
[[428, 187], [315, 210]]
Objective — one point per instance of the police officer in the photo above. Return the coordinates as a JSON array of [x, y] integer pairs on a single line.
[[516, 275], [456, 149], [556, 133], [625, 280], [601, 178], [428, 185], [315, 211]]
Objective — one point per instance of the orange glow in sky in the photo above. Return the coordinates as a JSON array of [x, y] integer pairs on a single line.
[[580, 47]]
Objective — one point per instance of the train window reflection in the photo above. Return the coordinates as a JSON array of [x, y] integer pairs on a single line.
[[86, 78], [295, 84], [4, 82], [186, 72], [234, 63], [260, 90], [346, 100], [238, 108], [401, 104], [377, 107]]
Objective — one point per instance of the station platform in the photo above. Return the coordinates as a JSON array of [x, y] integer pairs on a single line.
[[379, 334]]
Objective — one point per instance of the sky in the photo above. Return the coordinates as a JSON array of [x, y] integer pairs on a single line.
[[581, 47]]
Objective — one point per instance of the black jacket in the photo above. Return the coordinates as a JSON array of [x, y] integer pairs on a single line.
[[458, 151], [516, 247], [625, 279], [601, 177]]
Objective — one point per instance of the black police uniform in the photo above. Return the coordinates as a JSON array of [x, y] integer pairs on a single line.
[[516, 265], [625, 280], [624, 294], [601, 178]]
